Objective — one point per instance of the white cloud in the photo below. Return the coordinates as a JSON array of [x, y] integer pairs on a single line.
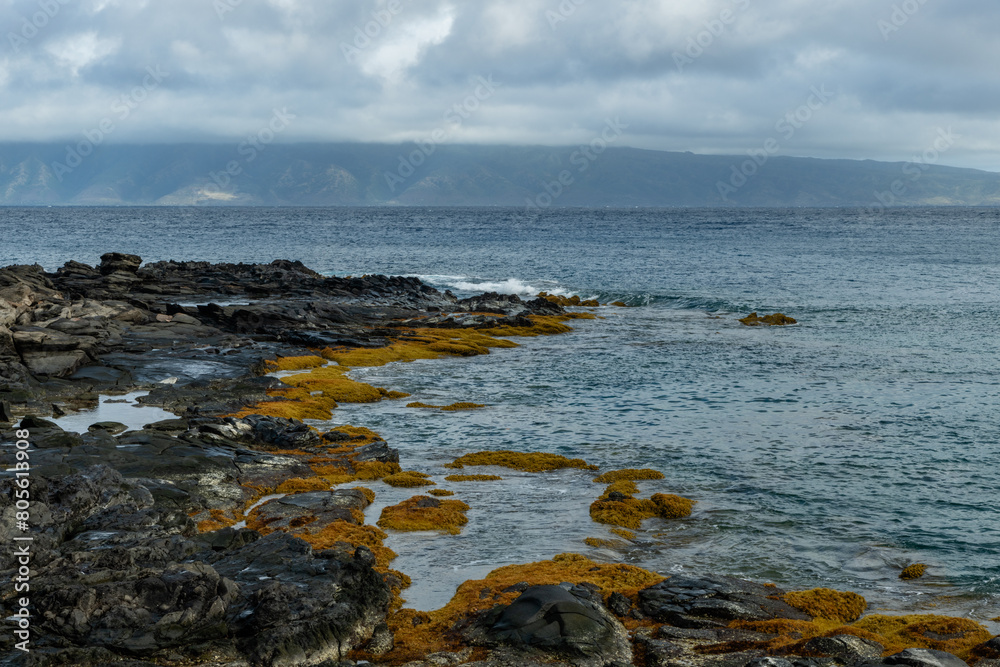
[[401, 43], [81, 50]]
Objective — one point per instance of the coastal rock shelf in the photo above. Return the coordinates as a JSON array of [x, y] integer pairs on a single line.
[[232, 532]]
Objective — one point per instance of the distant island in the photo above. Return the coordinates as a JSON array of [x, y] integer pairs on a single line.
[[533, 177]]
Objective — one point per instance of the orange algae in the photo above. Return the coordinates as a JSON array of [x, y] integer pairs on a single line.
[[775, 320], [333, 382], [441, 492], [828, 604], [336, 532], [621, 532], [358, 432], [626, 487], [218, 521], [788, 632], [408, 479], [425, 513], [670, 506], [942, 633], [601, 543], [895, 633], [369, 494], [225, 518], [372, 470], [454, 407], [294, 363], [418, 634], [414, 344], [914, 571], [300, 485], [314, 395], [541, 325], [473, 478], [629, 474], [630, 512], [570, 301], [296, 404], [447, 408], [527, 462]]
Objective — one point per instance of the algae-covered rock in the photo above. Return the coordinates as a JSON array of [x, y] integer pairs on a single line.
[[425, 513], [829, 604], [775, 320], [914, 571]]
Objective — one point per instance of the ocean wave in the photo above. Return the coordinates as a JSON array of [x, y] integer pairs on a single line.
[[479, 285]]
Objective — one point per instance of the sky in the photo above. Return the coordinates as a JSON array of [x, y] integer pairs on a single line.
[[857, 79]]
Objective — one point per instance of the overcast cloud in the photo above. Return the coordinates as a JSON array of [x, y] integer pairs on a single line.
[[714, 76]]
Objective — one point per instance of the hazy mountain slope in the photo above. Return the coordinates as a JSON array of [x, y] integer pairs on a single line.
[[379, 174]]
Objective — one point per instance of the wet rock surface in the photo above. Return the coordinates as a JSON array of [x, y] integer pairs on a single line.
[[116, 573], [713, 602]]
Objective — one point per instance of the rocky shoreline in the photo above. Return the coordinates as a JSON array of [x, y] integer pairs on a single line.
[[234, 533]]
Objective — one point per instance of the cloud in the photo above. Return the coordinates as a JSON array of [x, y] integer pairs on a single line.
[[715, 76]]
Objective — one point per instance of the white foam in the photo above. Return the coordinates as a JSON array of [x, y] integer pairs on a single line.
[[479, 285]]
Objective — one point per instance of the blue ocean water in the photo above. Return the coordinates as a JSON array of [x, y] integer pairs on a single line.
[[832, 453]]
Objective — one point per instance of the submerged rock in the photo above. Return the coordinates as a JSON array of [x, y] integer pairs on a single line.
[[775, 320]]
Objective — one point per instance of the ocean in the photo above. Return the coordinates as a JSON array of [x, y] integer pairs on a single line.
[[830, 453]]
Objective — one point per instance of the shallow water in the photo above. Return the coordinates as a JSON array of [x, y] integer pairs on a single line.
[[123, 408], [830, 453]]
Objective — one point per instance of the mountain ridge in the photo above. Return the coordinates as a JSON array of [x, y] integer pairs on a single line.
[[354, 174]]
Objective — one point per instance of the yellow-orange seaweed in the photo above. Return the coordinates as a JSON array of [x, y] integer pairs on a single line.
[[472, 478], [408, 479], [528, 462], [829, 604], [633, 474], [425, 513], [300, 485], [914, 571]]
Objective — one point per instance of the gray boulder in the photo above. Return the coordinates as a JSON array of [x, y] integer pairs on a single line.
[[711, 602], [848, 648], [555, 622], [925, 657]]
